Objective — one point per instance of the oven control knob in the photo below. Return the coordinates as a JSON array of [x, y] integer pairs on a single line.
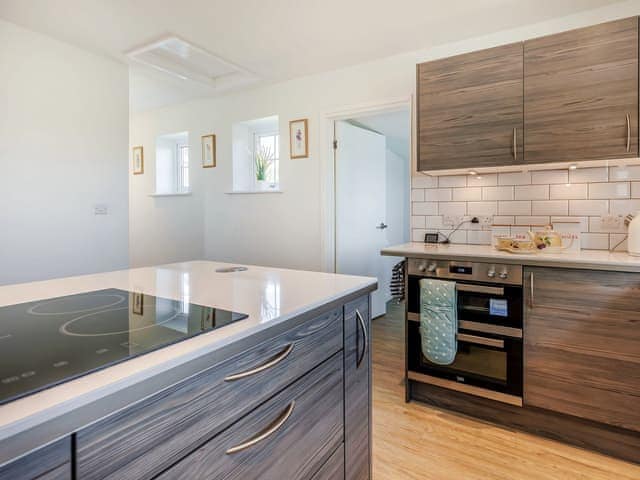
[[491, 273], [432, 267], [504, 274], [422, 267]]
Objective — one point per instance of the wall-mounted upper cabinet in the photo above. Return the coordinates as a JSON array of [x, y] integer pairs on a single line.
[[561, 98], [470, 109], [581, 94]]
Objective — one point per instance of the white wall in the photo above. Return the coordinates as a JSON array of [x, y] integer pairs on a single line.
[[63, 149], [288, 229]]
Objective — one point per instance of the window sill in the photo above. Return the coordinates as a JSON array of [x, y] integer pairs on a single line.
[[253, 192], [171, 194]]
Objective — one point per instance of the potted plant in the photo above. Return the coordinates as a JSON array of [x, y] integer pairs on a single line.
[[263, 162]]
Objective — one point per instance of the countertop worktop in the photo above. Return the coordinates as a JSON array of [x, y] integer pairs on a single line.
[[270, 296], [587, 259]]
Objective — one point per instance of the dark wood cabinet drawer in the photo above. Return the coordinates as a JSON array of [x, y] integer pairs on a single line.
[[148, 437], [289, 437], [52, 462], [357, 374]]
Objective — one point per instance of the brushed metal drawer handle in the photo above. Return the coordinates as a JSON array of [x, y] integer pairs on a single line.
[[628, 133], [366, 338], [515, 143], [270, 363], [267, 432]]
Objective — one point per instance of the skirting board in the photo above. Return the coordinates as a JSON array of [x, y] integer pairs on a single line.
[[616, 442]]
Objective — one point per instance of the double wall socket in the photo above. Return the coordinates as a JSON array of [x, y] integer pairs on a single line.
[[614, 222], [485, 222]]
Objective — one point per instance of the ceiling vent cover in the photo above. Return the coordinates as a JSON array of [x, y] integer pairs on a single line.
[[179, 58]]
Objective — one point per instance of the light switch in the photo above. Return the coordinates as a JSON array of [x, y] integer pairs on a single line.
[[100, 209]]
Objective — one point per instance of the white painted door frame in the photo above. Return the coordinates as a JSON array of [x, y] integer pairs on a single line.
[[327, 167]]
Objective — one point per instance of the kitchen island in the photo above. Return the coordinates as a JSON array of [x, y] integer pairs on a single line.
[[285, 391], [547, 343]]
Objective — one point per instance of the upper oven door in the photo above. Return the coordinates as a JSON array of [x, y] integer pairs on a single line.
[[478, 303]]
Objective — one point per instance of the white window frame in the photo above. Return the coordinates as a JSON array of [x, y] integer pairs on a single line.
[[182, 169]]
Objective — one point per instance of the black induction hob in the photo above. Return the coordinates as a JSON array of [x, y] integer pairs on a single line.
[[46, 342]]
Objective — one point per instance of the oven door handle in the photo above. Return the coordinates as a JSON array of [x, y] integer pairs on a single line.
[[465, 287], [490, 342]]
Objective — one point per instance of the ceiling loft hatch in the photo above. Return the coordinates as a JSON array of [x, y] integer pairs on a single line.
[[178, 58]]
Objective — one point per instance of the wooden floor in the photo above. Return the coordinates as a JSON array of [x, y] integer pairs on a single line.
[[415, 441]]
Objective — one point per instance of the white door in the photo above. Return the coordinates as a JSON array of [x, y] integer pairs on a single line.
[[361, 207]]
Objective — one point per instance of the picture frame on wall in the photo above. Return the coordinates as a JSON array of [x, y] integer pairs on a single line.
[[298, 138], [208, 151], [137, 306], [138, 160]]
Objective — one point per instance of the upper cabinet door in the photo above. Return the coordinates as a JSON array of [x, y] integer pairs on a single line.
[[581, 94], [470, 110]]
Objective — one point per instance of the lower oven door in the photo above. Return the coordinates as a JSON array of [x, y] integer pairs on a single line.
[[491, 362]]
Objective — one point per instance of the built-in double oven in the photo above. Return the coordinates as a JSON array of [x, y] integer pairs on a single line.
[[489, 340]]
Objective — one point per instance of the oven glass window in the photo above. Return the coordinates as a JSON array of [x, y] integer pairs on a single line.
[[479, 360]]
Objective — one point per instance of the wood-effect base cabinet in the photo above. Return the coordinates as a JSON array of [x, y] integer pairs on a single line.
[[296, 406]]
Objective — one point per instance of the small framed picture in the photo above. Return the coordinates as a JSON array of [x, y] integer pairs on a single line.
[[138, 304], [298, 139], [208, 151], [138, 160]]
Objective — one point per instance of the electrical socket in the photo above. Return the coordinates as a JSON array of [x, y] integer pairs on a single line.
[[614, 222], [452, 220], [486, 221]]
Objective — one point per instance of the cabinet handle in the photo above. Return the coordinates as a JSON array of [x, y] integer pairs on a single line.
[[628, 133], [515, 143], [531, 289], [272, 428], [364, 335], [270, 363]]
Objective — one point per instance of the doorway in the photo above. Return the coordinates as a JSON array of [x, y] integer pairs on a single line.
[[372, 161]]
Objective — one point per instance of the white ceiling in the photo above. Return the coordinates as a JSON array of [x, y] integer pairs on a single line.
[[275, 39]]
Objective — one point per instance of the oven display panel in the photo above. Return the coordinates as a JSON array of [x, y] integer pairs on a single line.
[[460, 269]]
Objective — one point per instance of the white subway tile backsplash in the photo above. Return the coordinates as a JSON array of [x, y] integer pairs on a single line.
[[624, 173], [467, 194], [482, 208], [497, 193], [503, 219], [610, 190], [484, 180], [433, 222], [417, 195], [584, 221], [532, 192], [589, 175], [452, 181], [437, 194], [479, 237], [514, 178], [424, 181], [624, 207], [417, 234], [531, 220], [418, 221], [595, 241], [618, 242], [521, 199], [568, 191], [588, 207], [452, 208], [550, 176], [514, 208], [425, 208], [549, 207]]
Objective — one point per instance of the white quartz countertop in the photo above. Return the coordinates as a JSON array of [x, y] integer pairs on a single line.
[[268, 295], [587, 259]]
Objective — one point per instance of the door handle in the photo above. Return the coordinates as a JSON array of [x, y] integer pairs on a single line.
[[365, 336], [382, 226], [490, 342]]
